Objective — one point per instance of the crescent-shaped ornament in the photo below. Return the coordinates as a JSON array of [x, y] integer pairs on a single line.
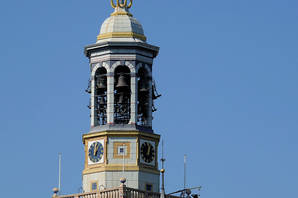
[[130, 4], [113, 4], [124, 4]]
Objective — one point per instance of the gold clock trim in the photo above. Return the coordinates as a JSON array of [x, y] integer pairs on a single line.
[[115, 151], [120, 168], [104, 151], [142, 135]]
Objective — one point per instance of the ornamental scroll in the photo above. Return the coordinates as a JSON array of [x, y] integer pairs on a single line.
[[121, 4]]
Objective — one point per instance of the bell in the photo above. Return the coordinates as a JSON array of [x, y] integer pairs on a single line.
[[122, 83], [121, 98], [101, 84], [102, 101], [143, 88]]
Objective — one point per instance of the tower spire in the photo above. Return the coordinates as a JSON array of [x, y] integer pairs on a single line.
[[121, 4]]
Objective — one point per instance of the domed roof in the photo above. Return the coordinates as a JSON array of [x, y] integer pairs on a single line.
[[121, 26]]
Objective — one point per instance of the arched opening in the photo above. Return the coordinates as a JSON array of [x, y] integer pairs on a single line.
[[122, 92], [100, 94], [143, 96]]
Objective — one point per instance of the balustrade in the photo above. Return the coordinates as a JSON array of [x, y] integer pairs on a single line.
[[120, 192]]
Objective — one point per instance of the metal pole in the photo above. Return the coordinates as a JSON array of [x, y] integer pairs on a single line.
[[163, 173], [123, 158], [184, 171], [59, 177], [162, 154]]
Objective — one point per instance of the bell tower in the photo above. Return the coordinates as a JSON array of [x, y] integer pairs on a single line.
[[121, 142]]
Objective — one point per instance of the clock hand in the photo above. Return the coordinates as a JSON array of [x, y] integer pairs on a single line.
[[95, 150], [148, 151]]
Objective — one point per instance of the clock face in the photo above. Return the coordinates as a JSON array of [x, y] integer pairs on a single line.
[[147, 152], [95, 152]]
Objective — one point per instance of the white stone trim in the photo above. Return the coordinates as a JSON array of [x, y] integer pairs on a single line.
[[130, 66], [123, 57], [98, 65], [116, 64], [126, 63], [110, 99], [134, 93], [133, 99], [93, 117]]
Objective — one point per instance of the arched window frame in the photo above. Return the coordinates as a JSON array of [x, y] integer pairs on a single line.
[[93, 102]]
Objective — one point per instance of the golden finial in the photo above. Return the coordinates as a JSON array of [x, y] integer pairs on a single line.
[[121, 4]]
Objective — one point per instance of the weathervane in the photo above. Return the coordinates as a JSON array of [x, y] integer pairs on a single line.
[[121, 4]]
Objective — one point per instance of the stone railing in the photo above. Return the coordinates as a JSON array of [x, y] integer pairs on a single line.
[[134, 193], [120, 192]]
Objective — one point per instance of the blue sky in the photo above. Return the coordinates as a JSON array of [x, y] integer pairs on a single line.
[[227, 71]]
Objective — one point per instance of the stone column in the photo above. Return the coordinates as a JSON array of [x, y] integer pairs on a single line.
[[133, 99], [110, 97], [93, 103]]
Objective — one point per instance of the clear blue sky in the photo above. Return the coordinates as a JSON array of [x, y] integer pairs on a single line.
[[227, 71]]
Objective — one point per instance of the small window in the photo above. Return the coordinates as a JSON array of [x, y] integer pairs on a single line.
[[122, 150], [149, 187], [94, 186]]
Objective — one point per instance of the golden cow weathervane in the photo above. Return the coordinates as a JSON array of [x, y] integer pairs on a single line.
[[121, 4]]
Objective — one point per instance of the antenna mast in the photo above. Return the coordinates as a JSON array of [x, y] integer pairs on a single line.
[[163, 194], [59, 177], [162, 155], [185, 171]]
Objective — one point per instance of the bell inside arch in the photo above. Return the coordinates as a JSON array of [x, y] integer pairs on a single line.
[[101, 84], [121, 98], [122, 82], [102, 101], [143, 86]]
